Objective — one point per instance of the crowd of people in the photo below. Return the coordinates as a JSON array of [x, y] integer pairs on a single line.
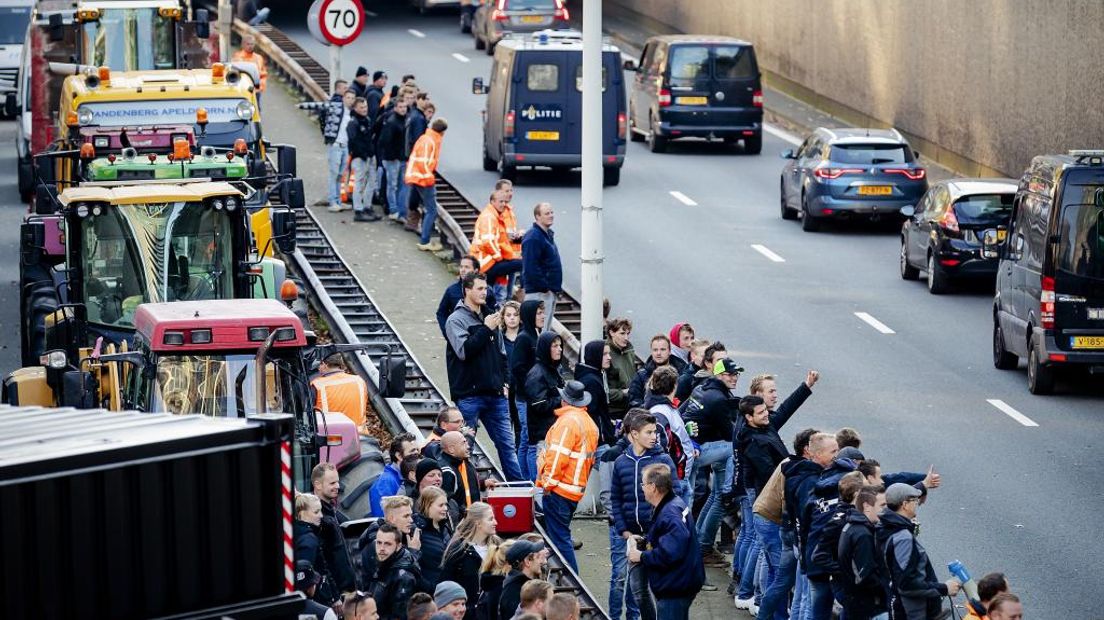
[[682, 452]]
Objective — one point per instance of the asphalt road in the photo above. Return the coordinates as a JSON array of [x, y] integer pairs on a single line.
[[11, 214]]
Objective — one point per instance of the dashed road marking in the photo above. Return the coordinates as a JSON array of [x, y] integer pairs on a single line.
[[417, 33], [765, 251], [683, 198], [865, 317], [460, 57], [1010, 412], [782, 133]]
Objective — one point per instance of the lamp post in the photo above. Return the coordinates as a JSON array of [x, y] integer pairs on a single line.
[[591, 217]]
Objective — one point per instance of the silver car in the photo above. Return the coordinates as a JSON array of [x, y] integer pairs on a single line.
[[495, 18]]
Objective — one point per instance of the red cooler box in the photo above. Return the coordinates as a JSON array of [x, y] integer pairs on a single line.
[[512, 503]]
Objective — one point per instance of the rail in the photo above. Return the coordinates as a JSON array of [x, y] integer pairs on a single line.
[[354, 317]]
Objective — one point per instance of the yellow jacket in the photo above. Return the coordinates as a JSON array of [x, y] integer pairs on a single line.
[[491, 240], [571, 446], [423, 159], [257, 59]]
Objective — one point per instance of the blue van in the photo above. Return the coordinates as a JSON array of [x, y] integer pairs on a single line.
[[534, 105]]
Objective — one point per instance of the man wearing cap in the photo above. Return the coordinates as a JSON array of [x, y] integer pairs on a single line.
[[564, 466], [917, 594], [451, 599], [306, 581], [527, 561]]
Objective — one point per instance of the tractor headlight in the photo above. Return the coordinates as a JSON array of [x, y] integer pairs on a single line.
[[245, 110]]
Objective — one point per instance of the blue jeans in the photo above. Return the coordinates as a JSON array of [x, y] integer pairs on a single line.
[[336, 155], [558, 511], [745, 540], [619, 596], [396, 189], [820, 600], [715, 459], [638, 585], [495, 413], [771, 543], [428, 198], [751, 560], [673, 608], [526, 454], [773, 606], [801, 589]]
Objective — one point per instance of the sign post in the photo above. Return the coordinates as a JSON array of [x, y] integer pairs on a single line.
[[335, 23], [591, 221]]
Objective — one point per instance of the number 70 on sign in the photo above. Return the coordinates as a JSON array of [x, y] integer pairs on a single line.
[[336, 22]]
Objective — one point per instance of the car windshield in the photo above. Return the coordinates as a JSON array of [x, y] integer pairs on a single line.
[[130, 40], [215, 385], [985, 209], [13, 24], [1081, 231], [870, 154], [133, 254]]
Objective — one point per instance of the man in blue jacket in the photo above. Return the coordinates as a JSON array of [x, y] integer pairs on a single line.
[[541, 270], [390, 481], [673, 561]]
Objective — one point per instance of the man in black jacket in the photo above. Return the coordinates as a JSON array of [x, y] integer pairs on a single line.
[[459, 478], [391, 150], [862, 575], [363, 161], [475, 358], [522, 358], [396, 573], [660, 356], [542, 388], [527, 561], [327, 486]]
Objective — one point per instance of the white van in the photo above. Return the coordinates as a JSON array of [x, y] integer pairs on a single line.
[[14, 17]]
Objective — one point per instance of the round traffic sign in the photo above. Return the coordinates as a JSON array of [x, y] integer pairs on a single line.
[[336, 22]]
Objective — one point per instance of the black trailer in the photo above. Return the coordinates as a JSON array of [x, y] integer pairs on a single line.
[[136, 515]]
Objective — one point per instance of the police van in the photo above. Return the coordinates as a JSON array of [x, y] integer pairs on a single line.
[[534, 113]]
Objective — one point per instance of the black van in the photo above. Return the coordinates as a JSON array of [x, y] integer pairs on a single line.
[[534, 114], [1049, 304], [697, 86]]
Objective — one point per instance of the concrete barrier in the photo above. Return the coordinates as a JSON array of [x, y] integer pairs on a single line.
[[979, 86]]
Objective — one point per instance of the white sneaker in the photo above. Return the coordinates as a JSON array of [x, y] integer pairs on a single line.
[[743, 603], [753, 609], [338, 208], [394, 217]]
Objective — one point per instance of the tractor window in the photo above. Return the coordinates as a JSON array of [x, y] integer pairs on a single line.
[[133, 254], [130, 40], [214, 385]]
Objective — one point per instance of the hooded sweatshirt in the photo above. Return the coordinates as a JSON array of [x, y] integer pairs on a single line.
[[593, 378], [524, 354], [676, 350], [542, 386], [912, 577]]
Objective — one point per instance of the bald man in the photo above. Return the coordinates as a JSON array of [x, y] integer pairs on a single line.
[[458, 475], [248, 54]]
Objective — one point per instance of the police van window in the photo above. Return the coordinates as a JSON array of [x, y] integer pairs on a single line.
[[579, 78], [543, 78], [1081, 231], [689, 62], [732, 62]]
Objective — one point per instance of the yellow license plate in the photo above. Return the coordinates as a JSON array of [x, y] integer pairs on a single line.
[[875, 190], [691, 100], [531, 19], [542, 135], [1088, 342]]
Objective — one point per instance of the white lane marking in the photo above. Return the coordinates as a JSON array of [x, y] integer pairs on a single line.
[[782, 133], [371, 13], [765, 251], [683, 198], [875, 323], [460, 57], [417, 33], [1012, 413]]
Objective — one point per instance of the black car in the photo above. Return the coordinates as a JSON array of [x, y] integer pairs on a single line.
[[1049, 303], [942, 235], [696, 86]]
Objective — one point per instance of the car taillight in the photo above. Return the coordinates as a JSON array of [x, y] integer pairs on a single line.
[[498, 15], [1046, 303], [949, 221], [561, 11], [664, 97], [508, 131], [912, 174], [835, 173], [757, 99], [621, 125]]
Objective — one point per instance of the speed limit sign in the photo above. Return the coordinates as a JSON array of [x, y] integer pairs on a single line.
[[336, 22]]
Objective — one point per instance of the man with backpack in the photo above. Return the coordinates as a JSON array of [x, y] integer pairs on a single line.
[[674, 439]]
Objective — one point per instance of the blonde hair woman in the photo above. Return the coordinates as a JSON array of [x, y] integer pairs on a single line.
[[475, 535], [432, 518]]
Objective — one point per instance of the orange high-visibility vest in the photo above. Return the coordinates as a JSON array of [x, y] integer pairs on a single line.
[[571, 447], [341, 392], [491, 239], [423, 159], [256, 59]]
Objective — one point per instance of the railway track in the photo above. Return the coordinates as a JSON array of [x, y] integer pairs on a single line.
[[354, 317]]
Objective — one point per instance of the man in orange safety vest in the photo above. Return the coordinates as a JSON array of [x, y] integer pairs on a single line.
[[496, 242], [247, 54], [420, 170], [338, 391]]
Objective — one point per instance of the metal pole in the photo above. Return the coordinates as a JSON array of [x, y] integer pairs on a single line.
[[335, 65], [226, 27], [592, 255]]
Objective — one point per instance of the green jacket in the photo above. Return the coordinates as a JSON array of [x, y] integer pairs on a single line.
[[623, 367]]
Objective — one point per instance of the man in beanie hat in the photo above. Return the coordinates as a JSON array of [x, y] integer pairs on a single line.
[[527, 561], [360, 83], [451, 599], [426, 474], [565, 464], [306, 581]]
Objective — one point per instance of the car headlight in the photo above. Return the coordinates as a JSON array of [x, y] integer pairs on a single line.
[[101, 142], [84, 116], [245, 110], [231, 204]]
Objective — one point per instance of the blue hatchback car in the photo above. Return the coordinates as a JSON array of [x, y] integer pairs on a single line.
[[843, 174]]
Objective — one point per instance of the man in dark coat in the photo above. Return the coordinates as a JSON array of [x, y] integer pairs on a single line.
[[592, 374], [327, 486], [522, 358], [389, 132], [527, 561], [660, 356], [541, 269], [459, 478], [396, 574], [542, 387], [863, 579]]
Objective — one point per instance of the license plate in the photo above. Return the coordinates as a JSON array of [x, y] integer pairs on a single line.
[[1087, 342], [1002, 234], [542, 135], [532, 19], [875, 190], [691, 100]]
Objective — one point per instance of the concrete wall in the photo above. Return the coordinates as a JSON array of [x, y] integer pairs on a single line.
[[981, 85]]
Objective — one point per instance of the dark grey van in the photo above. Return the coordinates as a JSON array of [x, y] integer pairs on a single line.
[[697, 86], [1049, 304], [534, 113]]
